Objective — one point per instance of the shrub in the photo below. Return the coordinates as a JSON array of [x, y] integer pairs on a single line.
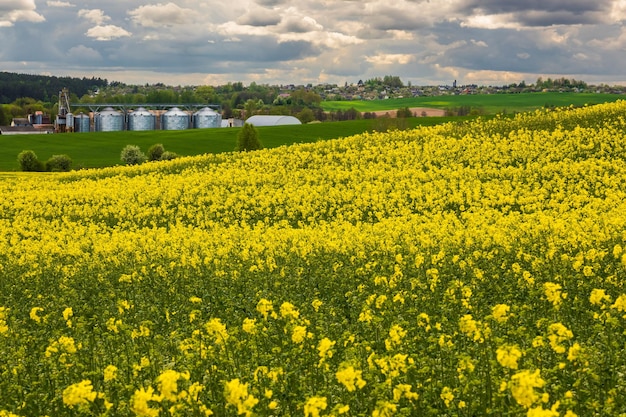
[[404, 113], [167, 156], [29, 162], [386, 124], [59, 163], [132, 155], [248, 139], [155, 152]]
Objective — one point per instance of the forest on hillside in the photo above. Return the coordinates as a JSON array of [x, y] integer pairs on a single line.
[[43, 87]]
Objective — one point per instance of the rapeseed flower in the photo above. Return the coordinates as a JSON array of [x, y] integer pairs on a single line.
[[4, 328], [574, 352], [34, 314], [289, 311], [396, 334], [523, 385], [168, 383], [265, 307], [384, 409], [599, 297], [324, 349], [553, 293], [314, 405], [110, 373], [508, 355], [500, 313], [366, 315], [447, 396], [143, 331], [217, 329], [236, 394], [299, 334], [79, 394], [404, 390], [316, 304], [350, 378], [249, 326], [557, 334], [67, 314], [470, 328], [539, 411], [140, 403]]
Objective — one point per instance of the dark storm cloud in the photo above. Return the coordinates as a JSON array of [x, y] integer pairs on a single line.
[[390, 18], [260, 17], [542, 12]]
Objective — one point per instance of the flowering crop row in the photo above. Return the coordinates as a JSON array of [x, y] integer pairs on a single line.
[[462, 269]]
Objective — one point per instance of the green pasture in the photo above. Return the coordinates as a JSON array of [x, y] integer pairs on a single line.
[[489, 103], [101, 149]]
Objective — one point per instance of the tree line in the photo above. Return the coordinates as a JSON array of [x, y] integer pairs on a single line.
[[43, 88]]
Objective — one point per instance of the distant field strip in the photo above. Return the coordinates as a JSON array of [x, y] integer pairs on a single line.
[[490, 103]]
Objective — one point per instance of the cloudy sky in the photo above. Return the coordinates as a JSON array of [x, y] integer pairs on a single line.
[[194, 42]]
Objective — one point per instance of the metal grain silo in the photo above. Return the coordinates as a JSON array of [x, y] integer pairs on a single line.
[[141, 119], [69, 121], [206, 117], [81, 122], [175, 119], [109, 120]]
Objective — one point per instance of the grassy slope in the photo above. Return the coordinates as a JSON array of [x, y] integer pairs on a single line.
[[97, 149], [100, 149]]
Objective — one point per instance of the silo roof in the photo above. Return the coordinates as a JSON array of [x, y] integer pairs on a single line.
[[206, 110], [174, 111], [141, 111]]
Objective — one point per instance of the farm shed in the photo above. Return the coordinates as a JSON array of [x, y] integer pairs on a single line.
[[272, 120], [25, 130]]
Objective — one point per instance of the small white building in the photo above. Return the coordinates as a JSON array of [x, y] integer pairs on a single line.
[[272, 120]]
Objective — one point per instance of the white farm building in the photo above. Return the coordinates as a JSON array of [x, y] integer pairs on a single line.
[[272, 120]]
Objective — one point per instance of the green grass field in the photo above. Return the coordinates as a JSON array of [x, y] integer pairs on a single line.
[[101, 149], [489, 103]]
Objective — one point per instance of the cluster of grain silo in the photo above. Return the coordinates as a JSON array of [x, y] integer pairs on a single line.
[[140, 119], [206, 118], [175, 119], [109, 120], [82, 122]]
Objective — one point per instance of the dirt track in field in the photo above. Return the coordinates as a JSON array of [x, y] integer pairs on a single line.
[[418, 111]]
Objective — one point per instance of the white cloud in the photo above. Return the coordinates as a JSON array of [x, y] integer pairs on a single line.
[[160, 15], [493, 21], [95, 16], [12, 11], [618, 11], [332, 40], [390, 59], [402, 35], [611, 43], [52, 3], [482, 44], [107, 32], [82, 52]]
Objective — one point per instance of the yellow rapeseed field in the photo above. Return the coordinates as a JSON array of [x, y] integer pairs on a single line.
[[469, 269]]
